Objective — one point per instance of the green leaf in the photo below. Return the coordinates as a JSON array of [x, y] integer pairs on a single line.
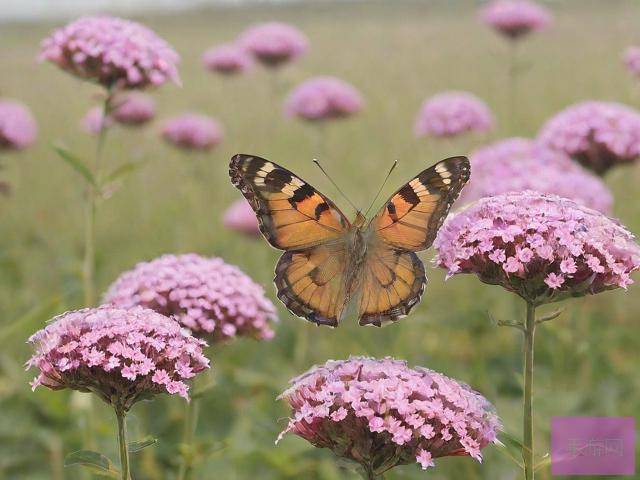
[[142, 444], [123, 170], [93, 461], [76, 163], [511, 447]]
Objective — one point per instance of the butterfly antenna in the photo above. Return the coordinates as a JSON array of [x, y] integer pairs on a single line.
[[335, 185], [395, 162]]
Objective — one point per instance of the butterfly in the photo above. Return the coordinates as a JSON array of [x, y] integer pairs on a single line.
[[328, 262]]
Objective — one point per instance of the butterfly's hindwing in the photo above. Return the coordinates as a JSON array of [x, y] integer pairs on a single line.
[[410, 219], [291, 213]]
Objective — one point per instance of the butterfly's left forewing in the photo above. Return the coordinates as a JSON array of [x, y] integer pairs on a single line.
[[393, 277]]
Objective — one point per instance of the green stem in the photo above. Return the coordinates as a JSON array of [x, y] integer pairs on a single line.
[[123, 444], [190, 424], [88, 265], [513, 86], [527, 442]]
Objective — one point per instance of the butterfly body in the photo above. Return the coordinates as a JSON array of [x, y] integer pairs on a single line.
[[329, 262]]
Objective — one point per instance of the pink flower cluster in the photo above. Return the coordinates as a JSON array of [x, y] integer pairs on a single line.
[[241, 218], [381, 413], [113, 52], [632, 60], [323, 98], [133, 109], [273, 44], [95, 121], [192, 131], [121, 355], [211, 298], [515, 18], [542, 247], [599, 135], [227, 59], [518, 164], [452, 113], [18, 129]]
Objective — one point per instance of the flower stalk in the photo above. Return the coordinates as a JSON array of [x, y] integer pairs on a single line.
[[192, 412], [123, 445], [527, 411]]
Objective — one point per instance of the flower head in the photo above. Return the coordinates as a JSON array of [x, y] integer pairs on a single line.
[[542, 247], [95, 121], [323, 98], [515, 18], [453, 113], [206, 295], [133, 109], [631, 59], [113, 52], [241, 218], [227, 59], [121, 355], [518, 164], [273, 44], [192, 131], [599, 135], [18, 129], [381, 413]]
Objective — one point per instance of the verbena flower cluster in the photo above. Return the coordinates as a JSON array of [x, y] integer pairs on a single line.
[[113, 52], [632, 60], [241, 218], [208, 296], [133, 109], [18, 128], [542, 247], [452, 113], [273, 43], [381, 413], [518, 164], [515, 18], [323, 98], [121, 355], [95, 121], [599, 135], [227, 59], [192, 131]]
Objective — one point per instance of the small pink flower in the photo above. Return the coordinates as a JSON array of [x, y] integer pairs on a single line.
[[632, 60], [568, 265], [515, 18], [274, 44], [228, 59], [425, 459], [241, 218], [192, 131], [554, 281], [453, 113], [133, 109], [323, 98], [18, 129]]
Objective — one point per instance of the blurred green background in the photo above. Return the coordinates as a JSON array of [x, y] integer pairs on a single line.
[[397, 53]]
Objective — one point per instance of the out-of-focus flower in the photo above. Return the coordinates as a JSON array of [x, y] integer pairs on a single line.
[[227, 59], [133, 109], [323, 98], [113, 52], [452, 113], [518, 164], [542, 247], [273, 44], [632, 60], [241, 218], [213, 299], [18, 129], [381, 413], [515, 18], [599, 135], [192, 131], [123, 356], [95, 121]]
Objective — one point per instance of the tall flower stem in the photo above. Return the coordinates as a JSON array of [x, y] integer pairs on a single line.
[[123, 445], [512, 87], [192, 413], [527, 442]]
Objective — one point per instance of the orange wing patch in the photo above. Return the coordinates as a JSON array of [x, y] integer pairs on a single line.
[[412, 216], [311, 283], [291, 213], [392, 283]]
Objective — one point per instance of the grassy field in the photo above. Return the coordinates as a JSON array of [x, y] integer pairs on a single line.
[[397, 53]]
